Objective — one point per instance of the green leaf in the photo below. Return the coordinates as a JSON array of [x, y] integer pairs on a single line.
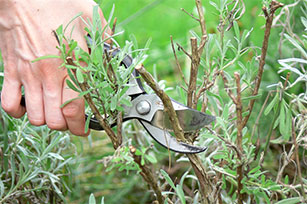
[[304, 21], [87, 122], [59, 30], [126, 102], [13, 169], [68, 101], [79, 75], [293, 200], [57, 156], [113, 103], [183, 177], [254, 170], [72, 46], [296, 44], [237, 30], [286, 179], [1, 188], [279, 140], [251, 97], [288, 125], [226, 112], [282, 119], [102, 200], [75, 17], [92, 199], [151, 158], [72, 76], [271, 105], [180, 194], [46, 57], [72, 86], [168, 179]]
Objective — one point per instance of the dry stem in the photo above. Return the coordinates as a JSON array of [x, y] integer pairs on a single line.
[[239, 137], [238, 102], [195, 60], [177, 62], [148, 176], [205, 184], [269, 19], [168, 106]]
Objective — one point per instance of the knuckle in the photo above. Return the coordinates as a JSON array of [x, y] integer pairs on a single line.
[[79, 133], [71, 110], [36, 121], [12, 109], [8, 107], [56, 126]]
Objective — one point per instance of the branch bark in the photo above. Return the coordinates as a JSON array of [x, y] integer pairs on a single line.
[[268, 25], [147, 175], [168, 106], [239, 138], [195, 60], [205, 184]]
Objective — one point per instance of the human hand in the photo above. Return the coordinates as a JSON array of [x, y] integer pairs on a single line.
[[26, 33]]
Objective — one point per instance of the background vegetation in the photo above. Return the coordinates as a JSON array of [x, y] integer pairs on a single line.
[[39, 165]]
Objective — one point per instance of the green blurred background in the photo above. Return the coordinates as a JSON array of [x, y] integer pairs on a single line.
[[159, 19]]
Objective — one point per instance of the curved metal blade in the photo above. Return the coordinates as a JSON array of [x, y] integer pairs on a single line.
[[166, 140], [189, 119]]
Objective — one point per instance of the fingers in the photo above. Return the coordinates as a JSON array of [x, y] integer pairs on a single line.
[[11, 97], [52, 95], [73, 112], [34, 102]]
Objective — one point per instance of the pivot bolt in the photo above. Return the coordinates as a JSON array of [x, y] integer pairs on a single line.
[[143, 107]]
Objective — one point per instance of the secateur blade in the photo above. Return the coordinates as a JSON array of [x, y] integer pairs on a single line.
[[164, 138]]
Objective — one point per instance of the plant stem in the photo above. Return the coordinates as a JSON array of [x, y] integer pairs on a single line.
[[239, 138], [205, 184], [148, 176], [195, 60], [268, 25], [168, 106]]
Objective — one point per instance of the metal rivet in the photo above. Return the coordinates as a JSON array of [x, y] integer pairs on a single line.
[[143, 107]]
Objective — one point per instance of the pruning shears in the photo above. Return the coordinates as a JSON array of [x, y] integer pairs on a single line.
[[148, 109]]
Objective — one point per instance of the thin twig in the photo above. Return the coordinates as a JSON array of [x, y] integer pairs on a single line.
[[113, 31], [269, 19], [207, 86], [180, 48], [201, 16], [239, 137], [260, 114], [148, 176], [119, 124], [177, 62], [190, 14]]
